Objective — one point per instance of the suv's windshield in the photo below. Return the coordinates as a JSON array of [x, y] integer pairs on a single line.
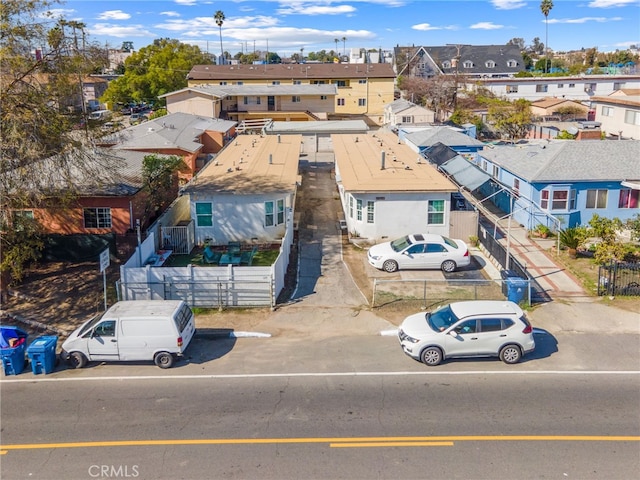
[[400, 244], [441, 319]]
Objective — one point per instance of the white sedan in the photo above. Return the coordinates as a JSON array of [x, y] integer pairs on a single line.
[[421, 251]]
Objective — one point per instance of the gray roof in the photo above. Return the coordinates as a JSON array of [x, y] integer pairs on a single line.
[[465, 173], [222, 91], [570, 161], [174, 131], [400, 105], [329, 126], [445, 135]]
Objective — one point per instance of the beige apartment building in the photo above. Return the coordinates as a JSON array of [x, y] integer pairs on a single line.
[[361, 90]]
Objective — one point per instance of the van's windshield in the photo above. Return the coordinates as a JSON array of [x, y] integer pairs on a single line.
[[89, 325]]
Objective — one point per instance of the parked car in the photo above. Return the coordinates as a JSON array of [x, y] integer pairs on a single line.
[[136, 118], [477, 328], [424, 250]]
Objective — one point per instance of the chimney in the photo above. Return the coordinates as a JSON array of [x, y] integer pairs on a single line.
[[270, 159], [382, 154]]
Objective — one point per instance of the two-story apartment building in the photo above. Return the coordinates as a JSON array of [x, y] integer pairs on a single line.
[[362, 89], [619, 113]]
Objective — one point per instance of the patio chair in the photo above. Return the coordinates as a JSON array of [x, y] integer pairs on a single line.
[[246, 258], [209, 256], [233, 249]]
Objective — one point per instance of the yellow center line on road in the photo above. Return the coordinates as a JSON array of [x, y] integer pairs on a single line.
[[390, 444], [327, 440]]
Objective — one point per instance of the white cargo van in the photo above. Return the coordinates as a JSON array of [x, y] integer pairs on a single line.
[[133, 330]]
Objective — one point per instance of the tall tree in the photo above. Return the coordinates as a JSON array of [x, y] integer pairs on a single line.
[[40, 94], [220, 18], [512, 119], [344, 45], [545, 8], [154, 70], [336, 40]]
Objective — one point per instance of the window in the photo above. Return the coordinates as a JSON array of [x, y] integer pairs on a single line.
[[407, 119], [239, 83], [490, 64], [362, 81], [485, 166], [496, 171], [416, 248], [106, 329], [97, 218], [297, 82], [323, 97], [204, 214], [446, 64], [467, 64], [435, 212], [590, 87], [295, 99], [560, 199], [275, 82], [572, 85], [542, 88], [245, 100], [544, 199], [561, 85], [269, 219], [341, 102], [258, 100], [341, 83], [435, 248], [280, 212], [628, 198], [596, 198], [362, 102], [607, 111], [618, 85], [350, 206], [223, 83], [359, 209], [28, 214], [370, 211], [512, 88], [516, 187], [490, 324], [632, 117], [512, 63], [466, 327]]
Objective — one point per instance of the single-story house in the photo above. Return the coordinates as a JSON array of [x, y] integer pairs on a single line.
[[403, 112], [194, 138], [452, 137], [387, 190], [109, 196], [562, 183], [248, 192], [551, 106]]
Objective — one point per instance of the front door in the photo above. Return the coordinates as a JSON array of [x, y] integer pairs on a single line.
[[466, 342], [103, 343], [271, 103]]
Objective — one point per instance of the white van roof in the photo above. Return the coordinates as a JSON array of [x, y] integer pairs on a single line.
[[143, 308]]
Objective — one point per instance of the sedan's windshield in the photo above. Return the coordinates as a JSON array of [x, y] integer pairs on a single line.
[[400, 244], [441, 319]]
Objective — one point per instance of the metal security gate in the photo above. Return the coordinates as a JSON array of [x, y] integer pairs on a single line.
[[619, 278]]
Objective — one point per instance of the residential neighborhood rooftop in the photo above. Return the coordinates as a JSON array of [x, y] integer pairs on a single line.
[[563, 160], [359, 161], [292, 71], [222, 91], [442, 134], [252, 164]]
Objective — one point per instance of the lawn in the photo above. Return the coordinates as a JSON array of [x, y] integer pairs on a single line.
[[262, 258]]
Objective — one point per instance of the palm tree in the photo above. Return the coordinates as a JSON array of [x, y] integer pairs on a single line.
[[344, 40], [546, 7], [219, 16], [336, 40]]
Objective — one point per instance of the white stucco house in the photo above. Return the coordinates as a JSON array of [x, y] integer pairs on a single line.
[[387, 190]]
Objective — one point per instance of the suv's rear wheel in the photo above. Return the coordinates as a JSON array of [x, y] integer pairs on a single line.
[[390, 266], [431, 356], [510, 354]]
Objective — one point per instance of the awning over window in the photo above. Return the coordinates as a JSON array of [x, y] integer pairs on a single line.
[[632, 184], [465, 173]]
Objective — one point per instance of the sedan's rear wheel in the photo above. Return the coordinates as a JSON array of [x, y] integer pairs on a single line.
[[390, 266], [431, 356], [448, 266], [510, 354]]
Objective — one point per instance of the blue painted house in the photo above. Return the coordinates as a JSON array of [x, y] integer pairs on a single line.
[[562, 183], [454, 138]]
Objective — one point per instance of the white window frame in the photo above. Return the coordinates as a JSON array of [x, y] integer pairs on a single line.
[[350, 206], [208, 214], [102, 217], [596, 198], [490, 64], [359, 210], [467, 64], [607, 111], [362, 102], [632, 117], [495, 171], [371, 206], [512, 63], [340, 102], [295, 99], [433, 210]]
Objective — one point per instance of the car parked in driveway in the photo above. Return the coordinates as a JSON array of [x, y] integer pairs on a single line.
[[420, 251], [477, 328]]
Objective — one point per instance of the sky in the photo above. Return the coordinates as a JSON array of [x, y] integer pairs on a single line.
[[292, 26]]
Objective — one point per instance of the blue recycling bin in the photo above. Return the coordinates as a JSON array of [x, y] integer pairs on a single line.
[[42, 354], [13, 343], [516, 288]]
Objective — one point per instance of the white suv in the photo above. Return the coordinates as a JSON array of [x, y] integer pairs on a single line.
[[479, 328]]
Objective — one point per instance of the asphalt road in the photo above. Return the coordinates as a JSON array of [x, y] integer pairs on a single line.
[[483, 425]]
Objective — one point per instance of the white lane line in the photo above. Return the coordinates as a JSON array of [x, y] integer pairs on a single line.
[[320, 374]]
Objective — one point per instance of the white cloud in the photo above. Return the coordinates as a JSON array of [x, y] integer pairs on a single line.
[[170, 14], [585, 20], [426, 27], [611, 3], [306, 9], [119, 31], [486, 26], [508, 4], [188, 3], [114, 15]]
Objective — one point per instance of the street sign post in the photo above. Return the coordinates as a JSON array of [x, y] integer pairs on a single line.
[[105, 260]]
